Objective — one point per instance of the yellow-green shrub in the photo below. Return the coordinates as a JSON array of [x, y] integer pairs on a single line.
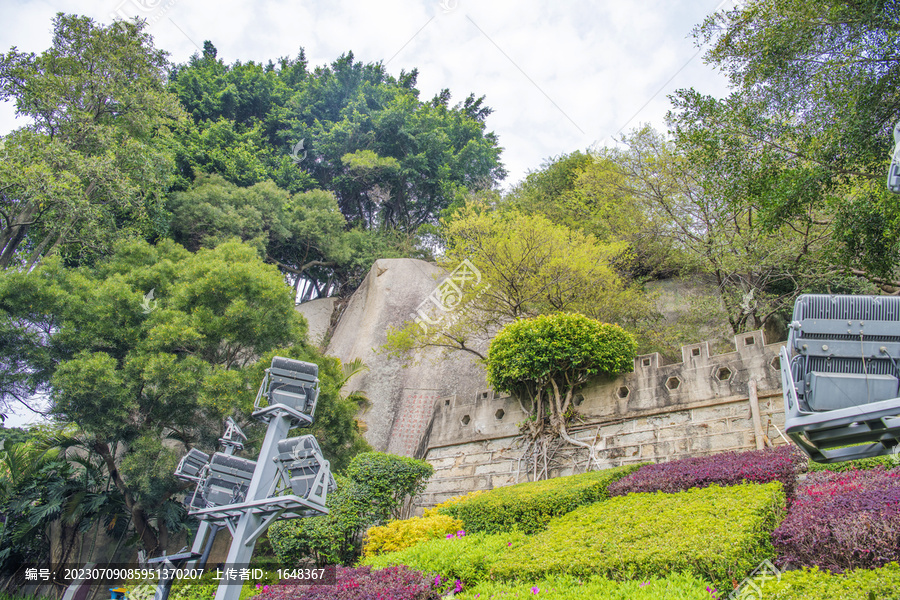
[[398, 535], [716, 533], [468, 558], [679, 586], [813, 584], [528, 507]]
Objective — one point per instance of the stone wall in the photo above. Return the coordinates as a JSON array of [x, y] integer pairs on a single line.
[[658, 412]]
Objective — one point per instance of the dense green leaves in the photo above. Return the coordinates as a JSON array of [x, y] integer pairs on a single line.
[[96, 161], [529, 507], [133, 368], [375, 488], [564, 349], [805, 136], [392, 160]]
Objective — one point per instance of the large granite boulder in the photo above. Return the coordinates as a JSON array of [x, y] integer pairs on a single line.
[[403, 396]]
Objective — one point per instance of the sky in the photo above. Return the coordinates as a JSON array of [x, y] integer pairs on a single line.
[[560, 76]]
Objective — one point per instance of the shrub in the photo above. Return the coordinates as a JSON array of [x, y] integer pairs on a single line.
[[528, 507], [374, 490], [842, 521], [813, 584], [398, 535], [563, 587], [888, 462], [717, 533], [729, 468], [361, 583], [469, 558]]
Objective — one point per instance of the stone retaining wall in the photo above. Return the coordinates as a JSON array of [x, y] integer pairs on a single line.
[[659, 412]]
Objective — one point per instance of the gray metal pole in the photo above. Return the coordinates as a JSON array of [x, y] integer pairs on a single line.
[[266, 471]]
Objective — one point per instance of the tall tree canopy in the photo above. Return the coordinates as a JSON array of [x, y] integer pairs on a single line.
[[95, 163], [807, 130], [132, 368], [392, 160]]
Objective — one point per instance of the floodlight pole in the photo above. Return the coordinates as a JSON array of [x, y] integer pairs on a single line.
[[250, 525]]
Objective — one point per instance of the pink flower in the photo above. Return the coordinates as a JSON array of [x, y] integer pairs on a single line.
[[461, 533], [535, 590], [645, 583], [437, 580], [508, 544], [450, 536], [265, 588], [458, 587]]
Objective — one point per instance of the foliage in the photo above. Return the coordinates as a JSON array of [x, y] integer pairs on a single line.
[[397, 535], [566, 587], [887, 461], [585, 192], [806, 133], [304, 234], [131, 369], [813, 584], [843, 521], [543, 361], [715, 533], [726, 468], [392, 160], [389, 480], [362, 583], [529, 507], [94, 164], [469, 559], [525, 265], [39, 488], [757, 266], [375, 488]]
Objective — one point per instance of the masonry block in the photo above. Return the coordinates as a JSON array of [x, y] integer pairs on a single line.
[[460, 471], [496, 468], [477, 459], [638, 437], [503, 480]]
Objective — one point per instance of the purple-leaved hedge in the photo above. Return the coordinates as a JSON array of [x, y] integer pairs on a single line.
[[841, 521], [729, 468]]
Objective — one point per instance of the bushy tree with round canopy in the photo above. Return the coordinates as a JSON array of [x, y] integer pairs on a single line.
[[545, 360]]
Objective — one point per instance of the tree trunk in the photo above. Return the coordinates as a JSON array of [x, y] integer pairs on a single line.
[[138, 515]]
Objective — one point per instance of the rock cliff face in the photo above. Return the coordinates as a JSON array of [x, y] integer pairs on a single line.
[[403, 397]]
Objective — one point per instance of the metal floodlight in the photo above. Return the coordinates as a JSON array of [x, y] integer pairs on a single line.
[[841, 378], [290, 387], [302, 466], [893, 180], [233, 436], [226, 480], [191, 465]]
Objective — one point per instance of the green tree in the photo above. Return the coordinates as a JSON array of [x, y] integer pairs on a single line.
[[132, 370], [544, 361], [713, 214], [96, 161], [526, 266], [807, 129], [374, 489], [392, 160]]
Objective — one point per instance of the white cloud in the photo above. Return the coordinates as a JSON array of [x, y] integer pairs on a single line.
[[546, 69]]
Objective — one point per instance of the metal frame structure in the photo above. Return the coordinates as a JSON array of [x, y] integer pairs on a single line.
[[244, 495], [840, 374]]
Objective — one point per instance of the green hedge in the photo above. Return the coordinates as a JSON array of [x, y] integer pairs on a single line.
[[528, 507], [812, 584], [716, 533], [673, 587], [888, 462], [469, 558]]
